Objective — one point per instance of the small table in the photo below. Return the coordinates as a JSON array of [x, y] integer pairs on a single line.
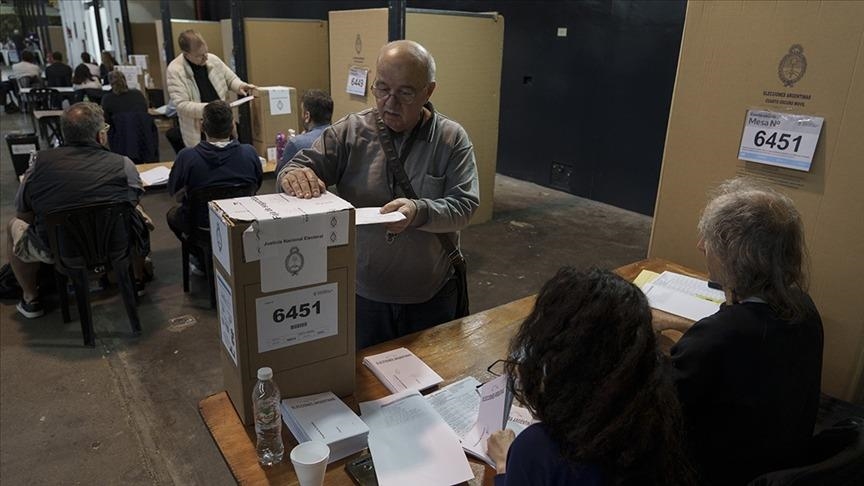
[[269, 168], [487, 335]]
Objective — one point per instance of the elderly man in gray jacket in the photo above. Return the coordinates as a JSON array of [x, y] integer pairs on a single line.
[[405, 281], [195, 78]]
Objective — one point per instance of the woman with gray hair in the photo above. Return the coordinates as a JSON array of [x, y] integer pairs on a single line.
[[749, 376]]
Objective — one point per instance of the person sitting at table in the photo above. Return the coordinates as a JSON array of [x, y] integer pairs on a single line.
[[216, 161], [749, 376], [585, 362], [317, 109], [85, 84], [81, 172], [132, 132], [87, 62], [58, 74], [107, 66], [25, 74]]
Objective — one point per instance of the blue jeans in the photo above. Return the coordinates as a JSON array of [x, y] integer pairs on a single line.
[[379, 321]]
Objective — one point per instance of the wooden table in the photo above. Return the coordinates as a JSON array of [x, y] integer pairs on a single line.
[[454, 350], [269, 168]]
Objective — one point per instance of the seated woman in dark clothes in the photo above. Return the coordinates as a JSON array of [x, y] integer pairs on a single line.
[[587, 366], [749, 376], [121, 99]]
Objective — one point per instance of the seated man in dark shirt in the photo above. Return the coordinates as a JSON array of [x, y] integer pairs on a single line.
[[749, 376], [58, 74], [217, 161], [81, 172], [317, 109]]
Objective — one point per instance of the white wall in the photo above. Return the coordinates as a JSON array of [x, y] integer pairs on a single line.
[[150, 10]]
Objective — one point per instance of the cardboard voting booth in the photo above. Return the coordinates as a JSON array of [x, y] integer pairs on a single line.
[[752, 105], [285, 271]]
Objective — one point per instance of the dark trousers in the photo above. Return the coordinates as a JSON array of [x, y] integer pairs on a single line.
[[379, 321], [9, 87], [175, 138]]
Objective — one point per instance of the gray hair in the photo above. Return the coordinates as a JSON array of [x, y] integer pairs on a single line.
[[421, 56], [188, 39], [82, 122], [757, 236]]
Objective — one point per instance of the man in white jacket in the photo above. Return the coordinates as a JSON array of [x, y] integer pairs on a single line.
[[195, 78]]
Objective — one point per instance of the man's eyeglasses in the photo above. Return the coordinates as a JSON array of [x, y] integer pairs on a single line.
[[404, 96]]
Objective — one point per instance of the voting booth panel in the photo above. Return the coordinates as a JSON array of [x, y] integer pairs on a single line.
[[274, 110], [288, 52], [305, 333], [468, 49], [801, 59], [146, 43], [355, 38]]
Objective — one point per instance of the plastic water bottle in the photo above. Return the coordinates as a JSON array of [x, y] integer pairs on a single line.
[[280, 145], [268, 418]]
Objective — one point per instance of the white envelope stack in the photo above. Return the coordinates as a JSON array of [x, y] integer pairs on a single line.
[[325, 417]]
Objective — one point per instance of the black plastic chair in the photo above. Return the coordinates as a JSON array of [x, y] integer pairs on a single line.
[[93, 239], [198, 236], [45, 99], [24, 98]]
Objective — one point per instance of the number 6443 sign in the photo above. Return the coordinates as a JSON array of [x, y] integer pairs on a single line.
[[780, 139]]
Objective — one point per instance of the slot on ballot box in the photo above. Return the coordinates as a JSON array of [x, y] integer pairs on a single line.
[[284, 276]]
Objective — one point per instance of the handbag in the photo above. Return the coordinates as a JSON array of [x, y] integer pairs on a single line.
[[396, 166]]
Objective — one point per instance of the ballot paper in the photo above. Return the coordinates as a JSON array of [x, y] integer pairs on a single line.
[[155, 176], [411, 444], [374, 216], [683, 296], [400, 369], [240, 101], [324, 417], [459, 404]]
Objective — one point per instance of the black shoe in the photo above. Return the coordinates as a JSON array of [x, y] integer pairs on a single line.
[[11, 109], [30, 310]]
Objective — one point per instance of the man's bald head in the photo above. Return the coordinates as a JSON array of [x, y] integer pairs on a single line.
[[82, 122], [411, 55]]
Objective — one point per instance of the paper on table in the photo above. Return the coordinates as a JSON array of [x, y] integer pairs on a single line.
[[678, 303], [400, 369], [492, 415], [240, 101], [156, 175], [374, 216], [411, 444], [690, 286], [644, 277]]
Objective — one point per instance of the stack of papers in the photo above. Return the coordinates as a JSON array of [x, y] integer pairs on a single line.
[[155, 176], [459, 404], [326, 418], [400, 369], [681, 295], [411, 444]]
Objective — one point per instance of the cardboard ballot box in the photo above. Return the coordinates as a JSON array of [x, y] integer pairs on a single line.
[[284, 280], [274, 109]]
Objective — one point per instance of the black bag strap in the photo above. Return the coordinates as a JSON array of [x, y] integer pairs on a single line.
[[396, 164]]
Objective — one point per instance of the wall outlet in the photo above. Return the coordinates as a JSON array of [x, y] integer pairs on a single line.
[[560, 176]]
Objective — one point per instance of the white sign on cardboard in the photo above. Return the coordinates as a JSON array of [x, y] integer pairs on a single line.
[[280, 101], [138, 60], [23, 148], [219, 239], [780, 139], [226, 317], [297, 317], [131, 73], [357, 81]]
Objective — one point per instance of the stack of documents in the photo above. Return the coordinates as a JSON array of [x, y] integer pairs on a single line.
[[326, 418], [400, 369], [411, 444], [459, 404], [155, 176], [680, 295]]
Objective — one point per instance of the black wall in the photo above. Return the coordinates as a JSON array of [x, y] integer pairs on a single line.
[[586, 113]]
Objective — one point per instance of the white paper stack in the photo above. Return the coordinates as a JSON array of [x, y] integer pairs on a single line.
[[400, 369], [326, 418], [155, 176]]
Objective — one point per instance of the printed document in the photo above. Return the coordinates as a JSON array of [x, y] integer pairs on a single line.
[[400, 369], [683, 296], [155, 176], [411, 444], [374, 216]]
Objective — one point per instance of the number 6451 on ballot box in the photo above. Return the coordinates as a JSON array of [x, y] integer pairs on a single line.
[[284, 276]]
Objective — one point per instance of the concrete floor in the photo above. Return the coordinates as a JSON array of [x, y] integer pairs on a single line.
[[126, 411]]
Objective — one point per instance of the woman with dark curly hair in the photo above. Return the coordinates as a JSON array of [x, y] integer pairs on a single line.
[[586, 364]]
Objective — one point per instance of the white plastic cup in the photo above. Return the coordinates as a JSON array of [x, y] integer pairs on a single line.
[[310, 462]]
